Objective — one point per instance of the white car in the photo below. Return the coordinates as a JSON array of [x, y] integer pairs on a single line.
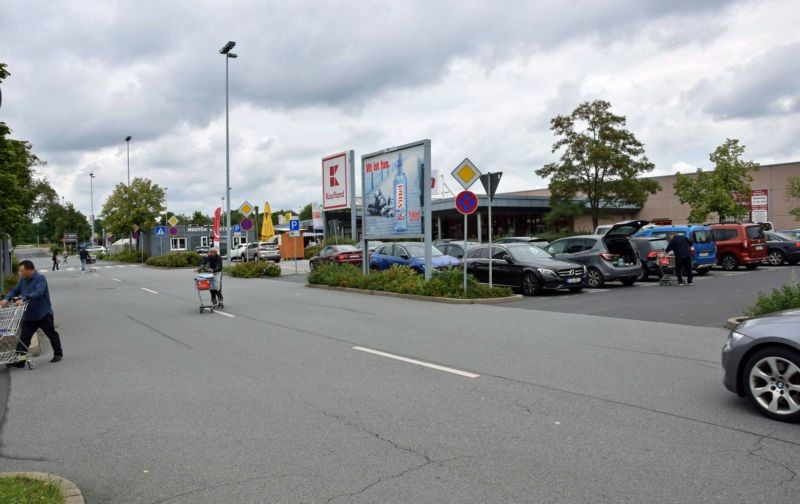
[[238, 251], [96, 249]]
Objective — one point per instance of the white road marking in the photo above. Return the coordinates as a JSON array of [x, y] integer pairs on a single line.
[[116, 279], [70, 269], [108, 267], [647, 284], [95, 274], [121, 266], [417, 362], [231, 315], [595, 291], [148, 290]]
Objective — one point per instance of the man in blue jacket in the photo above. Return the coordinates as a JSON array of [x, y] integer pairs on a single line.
[[681, 246], [32, 287]]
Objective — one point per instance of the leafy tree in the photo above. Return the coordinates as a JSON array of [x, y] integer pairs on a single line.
[[59, 219], [23, 195], [722, 190], [601, 161], [305, 213], [200, 218], [563, 214], [140, 204], [794, 192]]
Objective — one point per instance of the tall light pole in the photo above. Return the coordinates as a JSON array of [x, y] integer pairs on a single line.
[[226, 50], [128, 148], [91, 198]]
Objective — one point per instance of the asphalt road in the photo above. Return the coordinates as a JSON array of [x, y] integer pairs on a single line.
[[271, 402]]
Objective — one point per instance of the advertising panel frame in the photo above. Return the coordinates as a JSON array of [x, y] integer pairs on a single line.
[[425, 205], [347, 165]]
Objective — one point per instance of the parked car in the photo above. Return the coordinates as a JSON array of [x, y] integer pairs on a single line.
[[794, 233], [455, 248], [761, 359], [410, 254], [525, 267], [649, 249], [372, 244], [202, 250], [269, 251], [238, 252], [601, 230], [609, 257], [97, 249], [250, 252], [704, 249], [338, 254], [739, 244], [782, 248], [539, 242]]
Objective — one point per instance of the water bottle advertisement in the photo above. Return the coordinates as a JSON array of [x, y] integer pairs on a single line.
[[394, 194]]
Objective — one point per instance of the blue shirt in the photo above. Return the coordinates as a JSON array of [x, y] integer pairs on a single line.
[[35, 291]]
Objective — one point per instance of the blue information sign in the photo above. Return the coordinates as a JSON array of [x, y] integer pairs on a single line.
[[161, 230]]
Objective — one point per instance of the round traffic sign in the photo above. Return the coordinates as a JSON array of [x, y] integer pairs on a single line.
[[173, 231], [246, 224], [466, 202]]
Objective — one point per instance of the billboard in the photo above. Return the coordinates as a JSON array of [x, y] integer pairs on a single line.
[[336, 181], [316, 216], [759, 205], [396, 191]]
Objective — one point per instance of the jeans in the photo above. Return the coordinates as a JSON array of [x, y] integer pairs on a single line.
[[83, 264], [683, 264]]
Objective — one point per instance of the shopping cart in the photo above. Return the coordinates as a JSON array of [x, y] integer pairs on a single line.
[[90, 262], [666, 265], [10, 319], [204, 282]]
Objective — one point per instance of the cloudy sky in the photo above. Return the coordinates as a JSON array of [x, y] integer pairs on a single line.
[[479, 78]]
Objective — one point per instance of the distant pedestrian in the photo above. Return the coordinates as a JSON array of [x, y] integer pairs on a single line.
[[682, 248], [66, 255], [55, 261], [32, 287], [84, 255], [213, 261]]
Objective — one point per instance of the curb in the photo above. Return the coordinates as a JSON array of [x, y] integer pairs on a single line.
[[733, 322], [515, 297], [69, 491]]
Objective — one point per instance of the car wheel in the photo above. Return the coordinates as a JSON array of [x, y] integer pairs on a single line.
[[775, 258], [530, 284], [594, 278], [729, 262], [772, 382], [701, 271], [575, 289], [628, 281]]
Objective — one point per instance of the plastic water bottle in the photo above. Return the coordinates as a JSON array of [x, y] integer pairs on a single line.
[[400, 197]]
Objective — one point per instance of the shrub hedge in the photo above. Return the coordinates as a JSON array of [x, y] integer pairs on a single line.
[[404, 280], [127, 256], [176, 260], [785, 297], [255, 269]]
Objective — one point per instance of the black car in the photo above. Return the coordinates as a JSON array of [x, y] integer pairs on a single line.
[[649, 250], [762, 361], [782, 248], [455, 248], [526, 267], [539, 242]]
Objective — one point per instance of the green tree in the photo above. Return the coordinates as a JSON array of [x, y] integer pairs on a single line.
[[563, 214], [59, 219], [141, 205], [794, 192], [200, 218], [601, 161], [305, 213], [722, 190]]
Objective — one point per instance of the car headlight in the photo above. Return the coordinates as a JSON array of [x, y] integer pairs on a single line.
[[734, 338], [547, 273]]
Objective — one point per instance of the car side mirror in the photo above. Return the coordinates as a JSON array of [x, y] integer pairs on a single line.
[[507, 258], [404, 256]]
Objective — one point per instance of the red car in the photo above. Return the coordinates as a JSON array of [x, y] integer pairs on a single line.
[[739, 244], [337, 254]]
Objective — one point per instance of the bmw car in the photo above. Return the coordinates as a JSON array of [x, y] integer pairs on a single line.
[[411, 254]]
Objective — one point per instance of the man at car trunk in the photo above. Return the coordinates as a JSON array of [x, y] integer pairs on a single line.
[[682, 248]]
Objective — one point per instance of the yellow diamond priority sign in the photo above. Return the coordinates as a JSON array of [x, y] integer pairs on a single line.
[[466, 173], [173, 221], [246, 209]]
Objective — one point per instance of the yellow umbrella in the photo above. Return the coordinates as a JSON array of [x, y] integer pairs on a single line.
[[267, 229]]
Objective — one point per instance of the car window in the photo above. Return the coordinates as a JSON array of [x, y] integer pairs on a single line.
[[479, 253], [557, 247], [528, 252], [658, 244], [703, 236], [725, 234], [418, 250], [574, 245], [499, 252], [589, 243], [754, 232], [779, 237], [344, 248]]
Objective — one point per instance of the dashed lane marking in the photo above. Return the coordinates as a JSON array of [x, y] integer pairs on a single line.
[[148, 290], [417, 362]]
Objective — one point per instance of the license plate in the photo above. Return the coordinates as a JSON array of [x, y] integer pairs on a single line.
[[574, 280], [703, 254], [759, 247]]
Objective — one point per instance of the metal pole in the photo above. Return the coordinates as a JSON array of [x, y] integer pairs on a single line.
[[294, 244], [91, 198], [128, 149], [227, 164], [353, 216], [491, 259], [464, 258]]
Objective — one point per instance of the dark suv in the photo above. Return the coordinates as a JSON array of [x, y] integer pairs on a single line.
[[607, 258], [739, 244]]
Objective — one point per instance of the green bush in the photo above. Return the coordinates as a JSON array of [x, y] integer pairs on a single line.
[[9, 281], [403, 280], [311, 251], [128, 256], [255, 269], [176, 260], [785, 297]]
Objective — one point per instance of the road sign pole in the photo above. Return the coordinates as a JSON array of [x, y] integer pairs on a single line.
[[294, 244], [491, 258], [464, 257]]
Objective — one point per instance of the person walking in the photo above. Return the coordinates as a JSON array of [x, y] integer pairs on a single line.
[[55, 261], [682, 248], [32, 287], [84, 255], [66, 255], [213, 261]]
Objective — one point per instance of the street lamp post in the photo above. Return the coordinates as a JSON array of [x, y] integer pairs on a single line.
[[91, 198], [128, 148], [226, 50]]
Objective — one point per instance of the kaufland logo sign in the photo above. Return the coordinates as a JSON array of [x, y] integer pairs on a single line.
[[335, 183]]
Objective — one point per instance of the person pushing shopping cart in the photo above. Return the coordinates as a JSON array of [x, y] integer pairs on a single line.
[[213, 262]]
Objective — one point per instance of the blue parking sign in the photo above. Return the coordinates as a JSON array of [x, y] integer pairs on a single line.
[[294, 225], [237, 228]]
